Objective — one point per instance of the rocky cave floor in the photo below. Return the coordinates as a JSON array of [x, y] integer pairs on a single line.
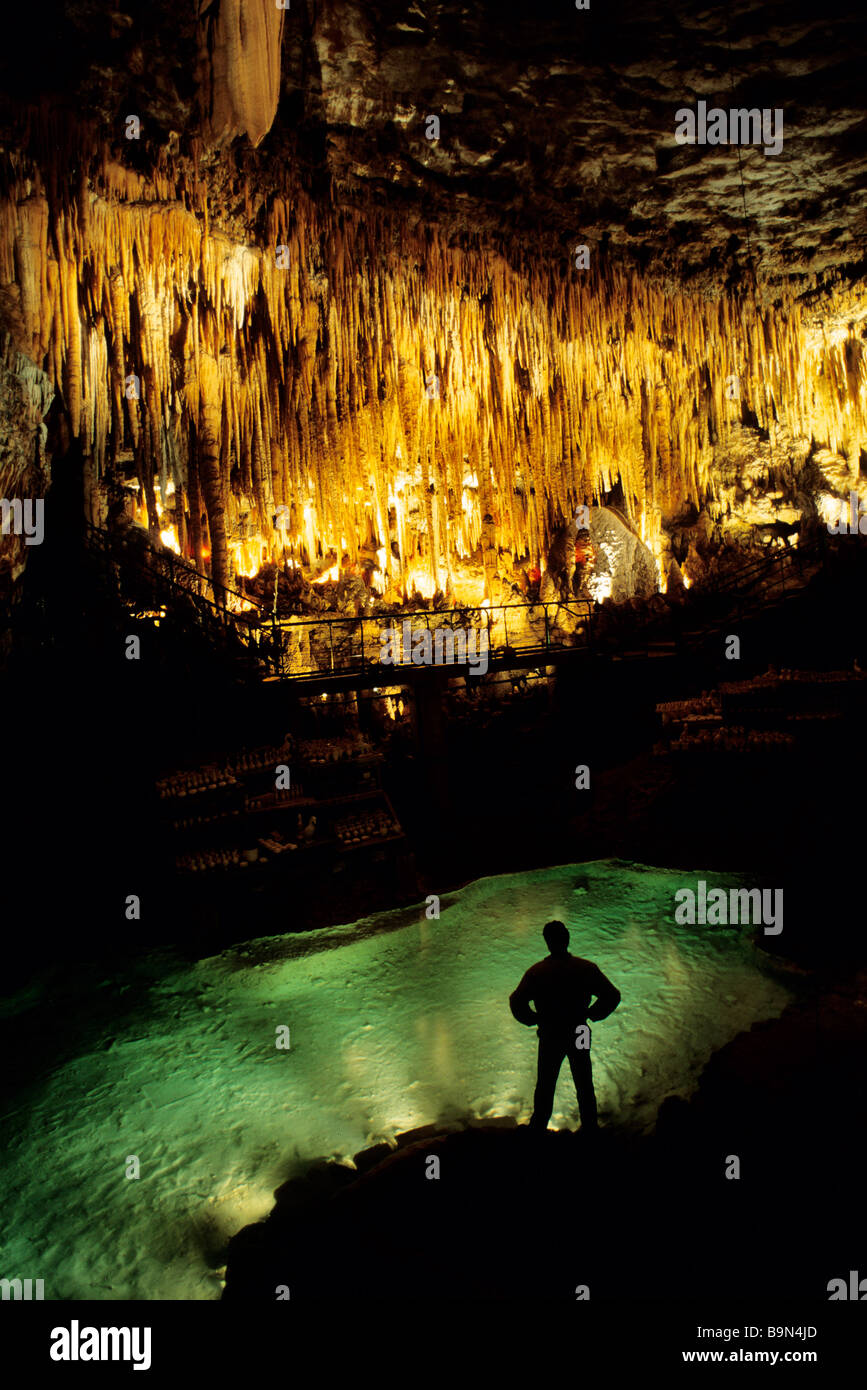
[[515, 1215], [632, 1216]]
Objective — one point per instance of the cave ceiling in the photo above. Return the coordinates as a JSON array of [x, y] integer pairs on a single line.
[[555, 123], [334, 248]]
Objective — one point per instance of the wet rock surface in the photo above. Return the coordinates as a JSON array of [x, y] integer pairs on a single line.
[[624, 567], [513, 1215]]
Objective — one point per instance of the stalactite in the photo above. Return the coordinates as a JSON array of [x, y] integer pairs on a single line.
[[72, 383], [209, 468], [384, 365], [196, 540], [31, 264]]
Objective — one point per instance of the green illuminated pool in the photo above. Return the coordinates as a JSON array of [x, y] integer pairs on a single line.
[[394, 1021]]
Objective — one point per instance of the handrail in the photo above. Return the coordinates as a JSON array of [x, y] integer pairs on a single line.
[[265, 635], [166, 571], [761, 564], [166, 579], [389, 619], [355, 627], [774, 568], [174, 563]]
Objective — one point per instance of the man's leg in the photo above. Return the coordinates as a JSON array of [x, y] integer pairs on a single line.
[[551, 1053], [582, 1075]]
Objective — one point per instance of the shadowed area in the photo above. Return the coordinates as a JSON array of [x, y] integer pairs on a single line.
[[388, 1030], [512, 1215]]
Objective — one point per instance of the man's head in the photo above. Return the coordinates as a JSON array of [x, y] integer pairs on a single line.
[[556, 938]]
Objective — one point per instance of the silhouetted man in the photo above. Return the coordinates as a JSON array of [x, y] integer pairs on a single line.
[[562, 987]]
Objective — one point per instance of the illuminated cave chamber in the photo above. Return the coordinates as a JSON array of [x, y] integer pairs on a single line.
[[271, 363]]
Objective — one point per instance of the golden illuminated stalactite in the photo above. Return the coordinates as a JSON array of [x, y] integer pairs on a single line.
[[96, 413], [196, 504], [537, 542], [278, 491], [141, 456], [439, 521], [430, 539], [316, 462], [30, 270], [261, 448], [370, 371], [72, 342], [850, 388], [488, 528], [181, 507], [244, 43], [211, 411], [117, 294], [376, 464], [400, 519], [661, 426], [54, 320]]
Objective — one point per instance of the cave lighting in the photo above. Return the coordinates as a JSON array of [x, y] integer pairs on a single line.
[[600, 586], [307, 384], [328, 576]]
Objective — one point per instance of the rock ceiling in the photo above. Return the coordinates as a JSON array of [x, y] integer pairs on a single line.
[[553, 120], [563, 119], [429, 310]]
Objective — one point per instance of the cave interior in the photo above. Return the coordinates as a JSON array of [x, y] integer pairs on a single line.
[[520, 353]]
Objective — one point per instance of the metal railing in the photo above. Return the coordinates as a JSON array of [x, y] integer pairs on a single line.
[[147, 581], [302, 647], [770, 569], [166, 565], [763, 581]]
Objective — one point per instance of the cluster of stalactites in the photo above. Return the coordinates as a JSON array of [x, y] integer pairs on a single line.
[[366, 384]]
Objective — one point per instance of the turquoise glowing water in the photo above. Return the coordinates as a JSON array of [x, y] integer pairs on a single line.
[[395, 1021]]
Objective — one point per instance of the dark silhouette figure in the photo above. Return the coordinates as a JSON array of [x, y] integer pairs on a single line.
[[562, 987]]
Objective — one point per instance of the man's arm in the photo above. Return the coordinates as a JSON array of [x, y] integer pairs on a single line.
[[519, 1003], [607, 998]]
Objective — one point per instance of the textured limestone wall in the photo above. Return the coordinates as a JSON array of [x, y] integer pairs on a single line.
[[25, 397]]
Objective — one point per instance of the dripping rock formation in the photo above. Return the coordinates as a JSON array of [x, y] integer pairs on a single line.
[[416, 282]]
